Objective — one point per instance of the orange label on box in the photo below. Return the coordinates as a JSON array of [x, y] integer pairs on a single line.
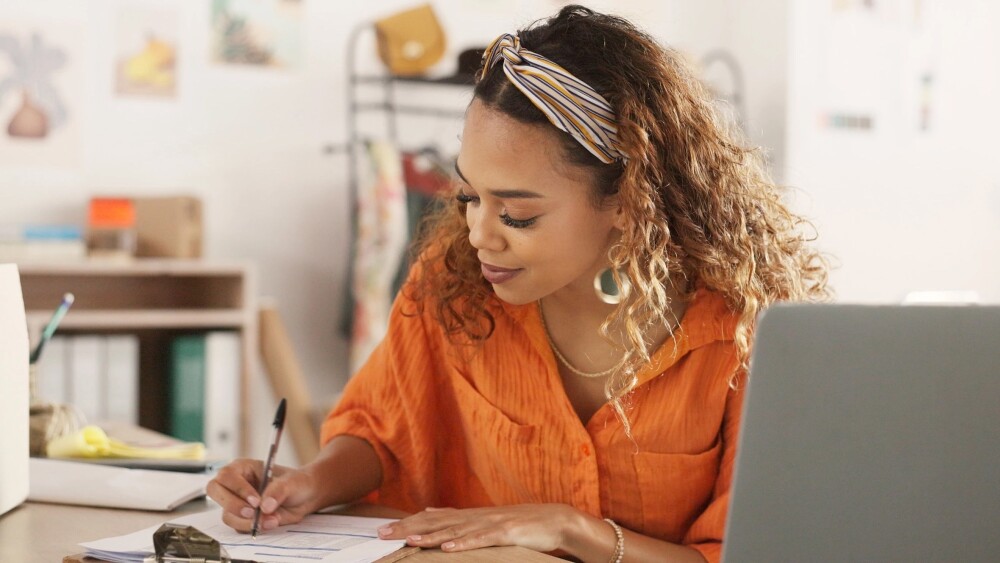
[[112, 212]]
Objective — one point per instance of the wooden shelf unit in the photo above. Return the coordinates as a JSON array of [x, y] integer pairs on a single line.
[[155, 299]]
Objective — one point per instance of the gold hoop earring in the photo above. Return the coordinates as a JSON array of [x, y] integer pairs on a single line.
[[607, 290]]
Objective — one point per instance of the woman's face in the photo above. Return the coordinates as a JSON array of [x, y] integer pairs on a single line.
[[530, 213]]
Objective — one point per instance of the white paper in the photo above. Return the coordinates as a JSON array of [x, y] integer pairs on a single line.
[[329, 538], [89, 484]]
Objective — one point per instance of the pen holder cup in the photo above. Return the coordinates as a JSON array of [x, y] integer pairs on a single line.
[[41, 419], [47, 421], [32, 383]]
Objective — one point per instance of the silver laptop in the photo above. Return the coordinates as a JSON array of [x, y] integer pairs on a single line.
[[870, 433], [13, 391]]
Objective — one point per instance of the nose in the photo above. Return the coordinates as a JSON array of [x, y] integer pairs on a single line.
[[484, 233]]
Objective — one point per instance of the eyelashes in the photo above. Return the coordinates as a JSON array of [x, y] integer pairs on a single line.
[[506, 219], [516, 223]]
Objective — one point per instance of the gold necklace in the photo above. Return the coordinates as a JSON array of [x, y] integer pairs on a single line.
[[563, 359]]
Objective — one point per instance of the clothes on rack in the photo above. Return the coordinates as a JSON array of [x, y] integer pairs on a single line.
[[396, 190], [426, 174], [380, 241], [426, 171]]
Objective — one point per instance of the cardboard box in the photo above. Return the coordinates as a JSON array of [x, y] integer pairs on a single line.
[[168, 227]]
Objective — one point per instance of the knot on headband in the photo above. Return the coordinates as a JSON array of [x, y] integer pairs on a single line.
[[568, 102]]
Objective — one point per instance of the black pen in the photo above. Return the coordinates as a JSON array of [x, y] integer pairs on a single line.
[[279, 425]]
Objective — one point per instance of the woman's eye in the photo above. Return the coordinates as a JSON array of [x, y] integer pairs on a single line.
[[516, 223], [463, 198]]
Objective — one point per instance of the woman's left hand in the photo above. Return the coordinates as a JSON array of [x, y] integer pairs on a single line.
[[540, 527]]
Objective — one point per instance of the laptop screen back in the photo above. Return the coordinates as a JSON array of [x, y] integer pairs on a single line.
[[870, 433], [13, 391]]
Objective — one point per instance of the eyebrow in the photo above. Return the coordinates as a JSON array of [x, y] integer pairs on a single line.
[[501, 194]]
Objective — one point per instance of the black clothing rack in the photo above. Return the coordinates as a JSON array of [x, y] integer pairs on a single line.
[[387, 105], [392, 109]]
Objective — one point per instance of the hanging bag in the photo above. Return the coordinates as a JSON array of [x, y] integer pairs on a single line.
[[410, 42]]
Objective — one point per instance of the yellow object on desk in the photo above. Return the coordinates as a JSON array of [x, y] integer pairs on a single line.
[[92, 442]]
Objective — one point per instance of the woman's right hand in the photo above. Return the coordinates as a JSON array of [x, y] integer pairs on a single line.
[[286, 500]]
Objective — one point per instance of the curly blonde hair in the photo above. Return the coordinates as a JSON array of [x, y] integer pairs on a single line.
[[700, 208]]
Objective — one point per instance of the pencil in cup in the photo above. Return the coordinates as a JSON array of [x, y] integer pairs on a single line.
[[47, 332], [50, 328]]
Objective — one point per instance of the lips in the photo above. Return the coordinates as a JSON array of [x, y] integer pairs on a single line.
[[496, 274]]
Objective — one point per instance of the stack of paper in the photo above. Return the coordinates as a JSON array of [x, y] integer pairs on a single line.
[[319, 537]]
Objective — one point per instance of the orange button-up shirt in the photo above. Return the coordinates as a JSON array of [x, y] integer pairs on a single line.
[[465, 427]]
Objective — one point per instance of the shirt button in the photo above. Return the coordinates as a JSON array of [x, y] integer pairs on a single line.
[[585, 449]]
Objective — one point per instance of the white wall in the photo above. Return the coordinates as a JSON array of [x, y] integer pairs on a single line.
[[900, 210], [251, 142], [899, 213]]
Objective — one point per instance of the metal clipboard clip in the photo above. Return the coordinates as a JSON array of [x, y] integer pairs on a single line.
[[174, 543]]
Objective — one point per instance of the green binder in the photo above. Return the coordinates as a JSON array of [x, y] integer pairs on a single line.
[[187, 387]]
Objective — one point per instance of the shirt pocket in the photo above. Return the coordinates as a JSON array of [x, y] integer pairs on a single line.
[[500, 451], [675, 489]]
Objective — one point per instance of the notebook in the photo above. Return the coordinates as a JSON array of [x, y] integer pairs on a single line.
[[13, 391], [71, 482], [870, 433]]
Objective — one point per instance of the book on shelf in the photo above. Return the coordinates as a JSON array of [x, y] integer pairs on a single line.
[[204, 390], [222, 393], [121, 371], [98, 375], [187, 387], [52, 371], [87, 383], [41, 243]]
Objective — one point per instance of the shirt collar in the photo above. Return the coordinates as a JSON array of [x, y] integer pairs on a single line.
[[707, 319]]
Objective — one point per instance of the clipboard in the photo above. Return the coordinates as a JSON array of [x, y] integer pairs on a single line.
[[183, 540], [393, 557]]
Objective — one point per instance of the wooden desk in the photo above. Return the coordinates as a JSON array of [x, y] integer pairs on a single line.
[[50, 532]]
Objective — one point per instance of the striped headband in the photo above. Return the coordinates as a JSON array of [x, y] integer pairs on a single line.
[[568, 102]]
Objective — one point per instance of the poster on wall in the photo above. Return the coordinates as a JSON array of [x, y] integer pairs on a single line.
[[265, 33], [146, 52], [40, 80]]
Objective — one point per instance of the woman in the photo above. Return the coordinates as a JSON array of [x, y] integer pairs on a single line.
[[563, 369]]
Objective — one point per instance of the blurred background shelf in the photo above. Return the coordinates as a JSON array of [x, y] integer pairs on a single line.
[[100, 320], [156, 300]]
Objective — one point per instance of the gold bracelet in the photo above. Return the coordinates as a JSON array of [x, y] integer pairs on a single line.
[[616, 557]]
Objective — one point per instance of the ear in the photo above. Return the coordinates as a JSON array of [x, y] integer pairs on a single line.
[[619, 215]]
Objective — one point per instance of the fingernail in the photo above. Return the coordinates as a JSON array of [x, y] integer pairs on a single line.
[[413, 538], [253, 501], [385, 530], [269, 505], [247, 512], [448, 545], [270, 523]]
